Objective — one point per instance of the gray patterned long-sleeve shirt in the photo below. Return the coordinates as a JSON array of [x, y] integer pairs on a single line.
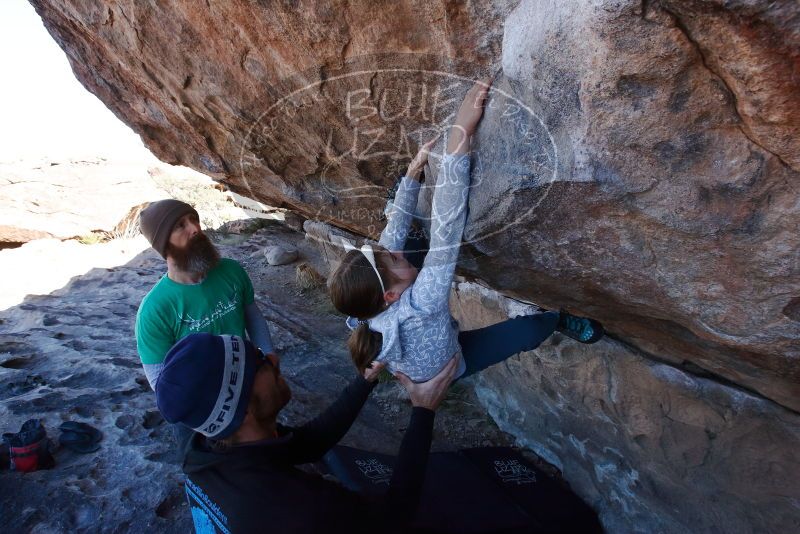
[[419, 334]]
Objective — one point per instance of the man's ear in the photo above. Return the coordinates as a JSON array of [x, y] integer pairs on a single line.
[[391, 296]]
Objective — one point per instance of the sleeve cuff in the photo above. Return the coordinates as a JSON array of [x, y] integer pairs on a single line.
[[422, 414], [454, 157], [409, 183]]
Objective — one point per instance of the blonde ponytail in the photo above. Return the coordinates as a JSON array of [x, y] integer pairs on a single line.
[[364, 345]]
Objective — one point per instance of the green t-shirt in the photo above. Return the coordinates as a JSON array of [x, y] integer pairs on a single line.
[[171, 311]]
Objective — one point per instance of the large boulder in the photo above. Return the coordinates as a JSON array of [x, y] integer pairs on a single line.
[[640, 164]]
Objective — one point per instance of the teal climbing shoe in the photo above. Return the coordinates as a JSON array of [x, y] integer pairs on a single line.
[[579, 328]]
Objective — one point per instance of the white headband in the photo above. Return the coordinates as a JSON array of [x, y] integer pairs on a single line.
[[367, 251], [233, 378]]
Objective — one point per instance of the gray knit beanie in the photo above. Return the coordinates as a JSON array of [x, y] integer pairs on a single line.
[[157, 220]]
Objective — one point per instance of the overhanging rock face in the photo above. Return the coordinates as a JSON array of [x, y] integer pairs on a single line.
[[638, 162]]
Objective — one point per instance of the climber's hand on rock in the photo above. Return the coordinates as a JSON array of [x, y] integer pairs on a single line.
[[471, 110], [419, 161], [468, 116]]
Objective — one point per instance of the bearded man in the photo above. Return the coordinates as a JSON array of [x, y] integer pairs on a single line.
[[200, 291]]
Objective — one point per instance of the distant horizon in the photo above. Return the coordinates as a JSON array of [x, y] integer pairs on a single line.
[[46, 111]]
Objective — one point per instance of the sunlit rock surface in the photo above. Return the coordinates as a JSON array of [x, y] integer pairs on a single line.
[[69, 198]]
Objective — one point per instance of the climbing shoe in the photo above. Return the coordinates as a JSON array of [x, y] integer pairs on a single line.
[[79, 437], [78, 442], [579, 328]]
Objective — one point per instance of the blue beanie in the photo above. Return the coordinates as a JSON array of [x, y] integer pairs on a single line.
[[206, 383]]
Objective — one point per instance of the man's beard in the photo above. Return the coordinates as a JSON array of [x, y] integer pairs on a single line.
[[199, 256], [265, 408]]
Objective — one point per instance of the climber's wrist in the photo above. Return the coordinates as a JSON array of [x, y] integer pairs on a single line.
[[458, 140], [414, 173]]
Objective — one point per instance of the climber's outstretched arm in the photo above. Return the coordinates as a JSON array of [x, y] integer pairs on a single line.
[[467, 118]]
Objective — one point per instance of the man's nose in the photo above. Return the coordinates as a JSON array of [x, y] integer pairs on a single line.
[[194, 229]]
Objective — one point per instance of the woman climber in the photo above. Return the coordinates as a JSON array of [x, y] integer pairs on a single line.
[[402, 313]]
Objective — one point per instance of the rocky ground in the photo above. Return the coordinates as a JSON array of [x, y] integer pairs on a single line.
[[70, 355]]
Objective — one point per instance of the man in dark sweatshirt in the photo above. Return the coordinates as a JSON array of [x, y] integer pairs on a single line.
[[240, 465]]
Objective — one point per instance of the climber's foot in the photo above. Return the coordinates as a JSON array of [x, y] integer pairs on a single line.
[[581, 329]]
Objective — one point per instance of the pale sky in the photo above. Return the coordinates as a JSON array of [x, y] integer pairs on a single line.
[[44, 110]]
